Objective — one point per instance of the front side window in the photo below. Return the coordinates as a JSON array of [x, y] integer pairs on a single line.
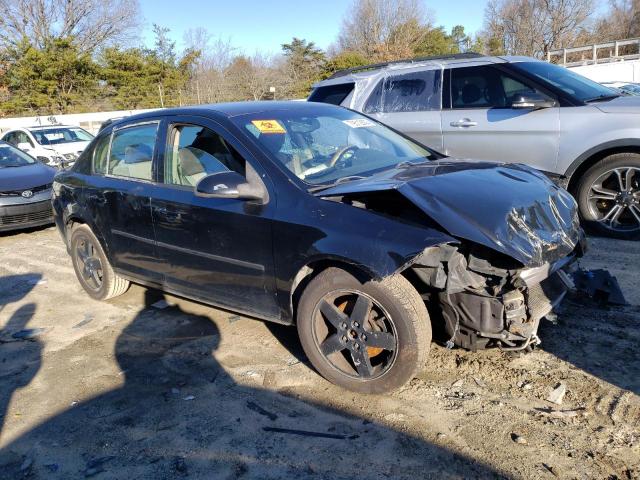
[[570, 82], [485, 87], [328, 144], [132, 152], [56, 136], [196, 152]]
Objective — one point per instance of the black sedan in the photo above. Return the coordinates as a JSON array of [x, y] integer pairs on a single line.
[[25, 190], [318, 216]]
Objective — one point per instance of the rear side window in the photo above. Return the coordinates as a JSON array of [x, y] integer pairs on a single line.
[[132, 152], [333, 94], [100, 152], [407, 92]]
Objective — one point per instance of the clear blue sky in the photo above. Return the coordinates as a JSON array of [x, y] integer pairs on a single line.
[[264, 25]]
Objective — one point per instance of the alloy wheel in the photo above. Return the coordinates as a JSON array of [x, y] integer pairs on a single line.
[[89, 263], [355, 334], [614, 199]]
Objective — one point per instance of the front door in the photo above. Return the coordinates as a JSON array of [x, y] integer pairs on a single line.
[[481, 124], [219, 250]]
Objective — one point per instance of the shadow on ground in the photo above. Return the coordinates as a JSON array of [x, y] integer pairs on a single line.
[[601, 340], [178, 413]]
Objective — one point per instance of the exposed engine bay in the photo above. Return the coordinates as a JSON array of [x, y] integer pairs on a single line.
[[485, 298]]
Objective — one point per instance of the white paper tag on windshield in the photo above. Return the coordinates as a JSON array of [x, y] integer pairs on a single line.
[[359, 123]]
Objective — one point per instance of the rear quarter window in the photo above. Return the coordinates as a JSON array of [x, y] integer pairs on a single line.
[[333, 94], [408, 92]]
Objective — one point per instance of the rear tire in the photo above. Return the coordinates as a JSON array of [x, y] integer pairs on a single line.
[[387, 335], [92, 267], [608, 196]]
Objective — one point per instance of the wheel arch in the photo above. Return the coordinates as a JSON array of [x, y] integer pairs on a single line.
[[592, 156], [313, 268]]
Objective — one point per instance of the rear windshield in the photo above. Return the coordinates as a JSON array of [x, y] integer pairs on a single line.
[[333, 94]]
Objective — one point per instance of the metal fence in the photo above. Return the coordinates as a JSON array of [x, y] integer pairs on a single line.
[[620, 50]]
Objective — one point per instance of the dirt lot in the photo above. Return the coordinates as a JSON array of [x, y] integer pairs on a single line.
[[124, 389]]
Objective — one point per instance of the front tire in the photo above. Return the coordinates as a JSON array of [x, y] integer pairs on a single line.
[[368, 337], [92, 268], [608, 196]]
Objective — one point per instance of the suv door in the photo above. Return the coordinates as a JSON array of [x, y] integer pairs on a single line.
[[410, 102], [118, 198], [479, 122], [219, 250]]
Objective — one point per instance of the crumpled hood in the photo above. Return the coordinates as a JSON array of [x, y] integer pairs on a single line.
[[26, 177], [622, 104], [509, 208]]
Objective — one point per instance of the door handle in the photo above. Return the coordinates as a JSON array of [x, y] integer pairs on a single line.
[[169, 216], [465, 122]]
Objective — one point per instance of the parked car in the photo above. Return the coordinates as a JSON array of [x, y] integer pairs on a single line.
[[310, 214], [512, 109], [25, 190], [628, 88], [56, 145]]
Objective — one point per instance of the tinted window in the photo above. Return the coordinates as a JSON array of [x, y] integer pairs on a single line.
[[12, 157], [100, 155], [196, 152], [132, 152], [374, 102], [333, 94], [484, 87]]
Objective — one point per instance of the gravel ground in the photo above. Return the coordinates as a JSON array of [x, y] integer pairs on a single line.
[[123, 389]]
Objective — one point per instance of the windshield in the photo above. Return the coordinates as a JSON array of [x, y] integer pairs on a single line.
[[12, 157], [632, 88], [574, 84], [56, 136], [330, 144]]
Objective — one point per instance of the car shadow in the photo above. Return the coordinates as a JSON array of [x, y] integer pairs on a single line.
[[178, 413], [602, 340], [20, 352]]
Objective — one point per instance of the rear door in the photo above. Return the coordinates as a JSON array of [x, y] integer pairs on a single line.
[[216, 249], [478, 121], [410, 101], [119, 198]]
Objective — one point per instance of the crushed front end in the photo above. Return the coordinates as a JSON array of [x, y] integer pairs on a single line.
[[487, 299]]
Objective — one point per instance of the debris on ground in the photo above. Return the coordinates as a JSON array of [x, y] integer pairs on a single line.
[[306, 433], [557, 394], [28, 333], [519, 439], [88, 318], [258, 409], [189, 397], [599, 285]]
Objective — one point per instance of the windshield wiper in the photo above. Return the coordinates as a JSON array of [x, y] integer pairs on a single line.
[[348, 178], [602, 98]]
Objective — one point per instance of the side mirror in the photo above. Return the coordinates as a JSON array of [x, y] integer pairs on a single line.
[[24, 146], [533, 101], [228, 185]]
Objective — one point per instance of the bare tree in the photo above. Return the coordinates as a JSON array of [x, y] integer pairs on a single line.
[[91, 23], [621, 21], [380, 28], [533, 27]]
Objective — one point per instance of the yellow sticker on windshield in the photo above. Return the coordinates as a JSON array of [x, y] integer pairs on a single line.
[[268, 126]]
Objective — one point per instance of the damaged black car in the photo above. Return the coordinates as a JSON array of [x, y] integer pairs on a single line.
[[317, 216]]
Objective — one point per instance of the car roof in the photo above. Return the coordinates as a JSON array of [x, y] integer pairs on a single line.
[[358, 73], [230, 110]]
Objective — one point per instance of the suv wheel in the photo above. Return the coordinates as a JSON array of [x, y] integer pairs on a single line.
[[92, 267], [369, 337], [609, 196]]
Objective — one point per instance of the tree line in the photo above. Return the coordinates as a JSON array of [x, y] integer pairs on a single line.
[[71, 56]]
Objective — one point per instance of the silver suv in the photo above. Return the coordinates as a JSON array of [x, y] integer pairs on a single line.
[[515, 110]]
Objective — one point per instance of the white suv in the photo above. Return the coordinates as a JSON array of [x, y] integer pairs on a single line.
[[56, 145]]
